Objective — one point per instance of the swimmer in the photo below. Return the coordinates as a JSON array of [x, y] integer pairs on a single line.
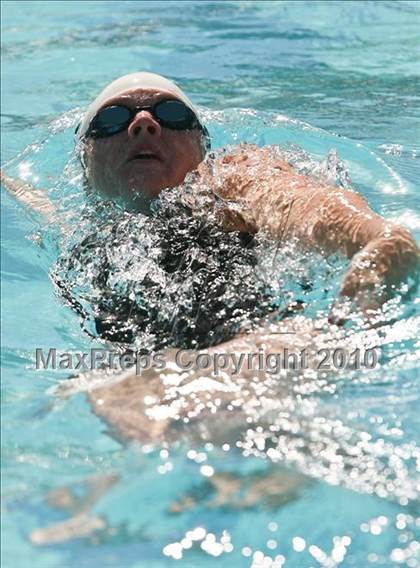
[[142, 134]]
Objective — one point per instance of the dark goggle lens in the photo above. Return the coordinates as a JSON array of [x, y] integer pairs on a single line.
[[174, 114], [111, 119], [171, 114]]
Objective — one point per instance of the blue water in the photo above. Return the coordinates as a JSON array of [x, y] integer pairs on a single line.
[[325, 75]]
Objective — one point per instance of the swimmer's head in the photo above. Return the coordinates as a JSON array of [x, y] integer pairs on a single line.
[[139, 136]]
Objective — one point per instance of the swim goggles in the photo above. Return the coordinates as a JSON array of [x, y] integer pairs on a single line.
[[169, 113]]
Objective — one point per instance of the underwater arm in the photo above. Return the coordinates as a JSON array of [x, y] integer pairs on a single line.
[[28, 194]]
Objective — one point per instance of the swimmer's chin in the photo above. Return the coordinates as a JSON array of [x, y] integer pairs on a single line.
[[139, 201], [134, 198]]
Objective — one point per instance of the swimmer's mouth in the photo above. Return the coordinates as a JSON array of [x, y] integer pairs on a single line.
[[145, 156]]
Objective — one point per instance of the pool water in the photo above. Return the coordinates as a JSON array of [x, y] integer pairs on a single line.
[[336, 85]]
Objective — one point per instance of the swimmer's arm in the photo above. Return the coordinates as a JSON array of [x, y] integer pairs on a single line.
[[28, 195], [286, 204], [333, 219], [381, 252]]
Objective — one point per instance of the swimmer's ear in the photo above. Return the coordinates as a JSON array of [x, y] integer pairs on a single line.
[[82, 158], [80, 153], [206, 139], [80, 146]]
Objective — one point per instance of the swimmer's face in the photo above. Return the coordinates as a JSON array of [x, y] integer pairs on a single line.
[[118, 167]]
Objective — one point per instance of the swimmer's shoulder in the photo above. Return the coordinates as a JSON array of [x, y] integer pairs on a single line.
[[232, 171], [245, 155]]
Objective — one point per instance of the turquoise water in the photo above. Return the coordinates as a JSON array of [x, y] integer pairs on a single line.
[[322, 76]]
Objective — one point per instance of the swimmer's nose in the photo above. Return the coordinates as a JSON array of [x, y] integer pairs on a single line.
[[144, 123]]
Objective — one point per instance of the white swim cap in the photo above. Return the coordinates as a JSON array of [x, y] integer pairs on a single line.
[[141, 80]]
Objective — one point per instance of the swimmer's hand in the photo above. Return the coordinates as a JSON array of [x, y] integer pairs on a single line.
[[28, 195], [381, 266]]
